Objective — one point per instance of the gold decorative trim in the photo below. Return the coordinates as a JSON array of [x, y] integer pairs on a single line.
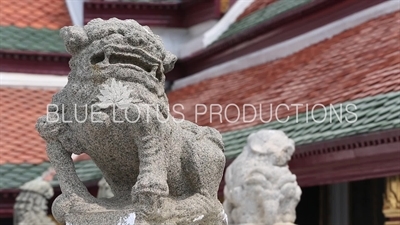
[[392, 223], [224, 5], [391, 202]]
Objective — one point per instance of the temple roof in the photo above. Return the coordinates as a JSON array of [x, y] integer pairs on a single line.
[[35, 14], [31, 39], [357, 67], [33, 26], [255, 6], [19, 110], [354, 64], [260, 12]]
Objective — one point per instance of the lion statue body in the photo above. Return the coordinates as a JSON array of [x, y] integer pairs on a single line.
[[260, 189], [114, 108]]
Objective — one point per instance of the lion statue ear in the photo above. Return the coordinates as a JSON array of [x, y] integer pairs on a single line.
[[169, 62], [147, 29], [256, 142], [169, 59], [292, 146], [75, 38]]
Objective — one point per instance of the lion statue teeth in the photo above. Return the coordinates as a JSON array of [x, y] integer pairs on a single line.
[[114, 108]]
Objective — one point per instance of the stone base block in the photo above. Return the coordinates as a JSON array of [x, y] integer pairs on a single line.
[[110, 217]]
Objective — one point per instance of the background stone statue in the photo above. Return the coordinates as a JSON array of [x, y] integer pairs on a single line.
[[30, 207], [260, 189], [104, 189], [114, 108]]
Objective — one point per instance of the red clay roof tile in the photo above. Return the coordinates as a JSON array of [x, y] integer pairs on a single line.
[[37, 14], [360, 62], [19, 110]]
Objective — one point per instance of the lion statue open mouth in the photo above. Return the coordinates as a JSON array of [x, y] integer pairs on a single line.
[[166, 171]]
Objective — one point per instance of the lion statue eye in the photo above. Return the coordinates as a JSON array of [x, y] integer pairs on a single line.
[[97, 58], [288, 150]]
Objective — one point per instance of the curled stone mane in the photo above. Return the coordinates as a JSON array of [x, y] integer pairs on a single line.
[[77, 38], [78, 42]]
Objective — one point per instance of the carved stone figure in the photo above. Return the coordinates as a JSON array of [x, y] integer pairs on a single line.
[[114, 108], [31, 204], [104, 189], [391, 201], [260, 189]]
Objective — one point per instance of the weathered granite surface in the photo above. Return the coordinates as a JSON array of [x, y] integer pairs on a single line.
[[260, 189], [114, 108]]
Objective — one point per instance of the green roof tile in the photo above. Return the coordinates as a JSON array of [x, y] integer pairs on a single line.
[[30, 39], [374, 114], [14, 175], [271, 11], [86, 171]]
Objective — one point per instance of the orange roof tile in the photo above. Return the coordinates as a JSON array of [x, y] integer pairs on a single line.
[[360, 62], [19, 110], [37, 14], [256, 5]]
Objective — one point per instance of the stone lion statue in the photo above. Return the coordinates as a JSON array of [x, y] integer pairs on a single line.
[[114, 108], [260, 189]]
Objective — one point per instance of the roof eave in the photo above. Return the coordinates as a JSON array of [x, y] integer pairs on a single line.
[[284, 27], [34, 62], [181, 14]]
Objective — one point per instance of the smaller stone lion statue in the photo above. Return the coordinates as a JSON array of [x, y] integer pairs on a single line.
[[260, 189]]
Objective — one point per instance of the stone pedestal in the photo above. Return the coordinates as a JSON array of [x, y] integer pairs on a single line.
[[391, 207], [109, 217], [130, 217]]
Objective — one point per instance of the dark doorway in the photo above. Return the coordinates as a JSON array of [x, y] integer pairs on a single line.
[[308, 209], [366, 202]]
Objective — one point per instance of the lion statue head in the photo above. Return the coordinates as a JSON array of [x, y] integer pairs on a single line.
[[273, 145], [119, 49]]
